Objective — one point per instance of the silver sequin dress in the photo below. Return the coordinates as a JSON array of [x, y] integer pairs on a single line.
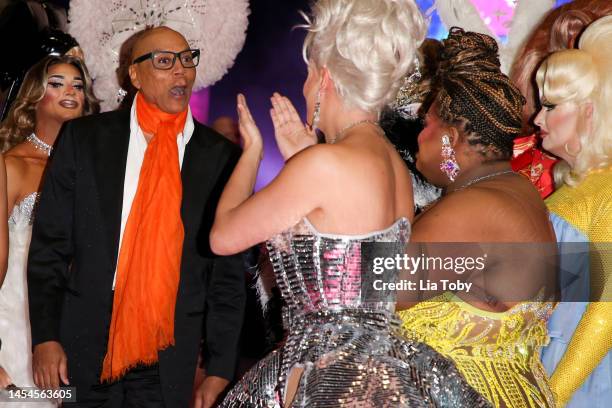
[[350, 351]]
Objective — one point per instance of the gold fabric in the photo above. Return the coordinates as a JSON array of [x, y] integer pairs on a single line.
[[588, 207], [498, 353]]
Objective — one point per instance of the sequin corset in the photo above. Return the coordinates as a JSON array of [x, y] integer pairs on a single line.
[[317, 272], [498, 353]]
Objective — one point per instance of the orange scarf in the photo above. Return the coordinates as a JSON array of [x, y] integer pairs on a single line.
[[148, 268]]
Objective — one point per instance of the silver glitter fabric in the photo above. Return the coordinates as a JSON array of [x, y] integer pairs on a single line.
[[344, 352], [23, 212]]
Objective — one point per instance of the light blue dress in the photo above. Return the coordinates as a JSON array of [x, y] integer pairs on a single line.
[[596, 392]]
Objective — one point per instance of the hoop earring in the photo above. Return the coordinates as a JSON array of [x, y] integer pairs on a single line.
[[449, 165], [570, 153]]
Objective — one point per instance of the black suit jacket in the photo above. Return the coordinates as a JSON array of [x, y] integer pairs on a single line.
[[74, 248]]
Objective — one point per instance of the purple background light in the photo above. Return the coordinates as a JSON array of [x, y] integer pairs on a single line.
[[270, 61], [199, 105]]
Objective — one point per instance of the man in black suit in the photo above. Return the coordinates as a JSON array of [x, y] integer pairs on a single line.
[[77, 236]]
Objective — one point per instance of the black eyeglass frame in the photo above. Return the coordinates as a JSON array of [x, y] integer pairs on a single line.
[[151, 56]]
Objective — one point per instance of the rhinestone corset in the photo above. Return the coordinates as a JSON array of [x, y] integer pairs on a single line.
[[23, 212], [322, 272]]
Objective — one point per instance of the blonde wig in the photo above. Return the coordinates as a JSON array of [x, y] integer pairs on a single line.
[[581, 76], [368, 46]]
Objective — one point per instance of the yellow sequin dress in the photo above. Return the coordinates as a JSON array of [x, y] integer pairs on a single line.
[[498, 353], [588, 207]]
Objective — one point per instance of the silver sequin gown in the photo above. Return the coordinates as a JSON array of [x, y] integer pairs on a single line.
[[351, 352]]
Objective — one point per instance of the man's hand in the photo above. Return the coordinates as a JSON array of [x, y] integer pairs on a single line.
[[50, 365], [5, 379], [208, 392]]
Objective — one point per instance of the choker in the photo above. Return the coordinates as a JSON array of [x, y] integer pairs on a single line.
[[39, 144]]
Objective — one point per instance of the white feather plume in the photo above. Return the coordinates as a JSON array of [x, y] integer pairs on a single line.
[[461, 13], [527, 14]]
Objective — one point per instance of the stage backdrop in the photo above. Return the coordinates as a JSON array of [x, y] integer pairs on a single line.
[[272, 61]]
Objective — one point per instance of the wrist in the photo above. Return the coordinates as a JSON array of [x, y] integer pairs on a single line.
[[253, 151]]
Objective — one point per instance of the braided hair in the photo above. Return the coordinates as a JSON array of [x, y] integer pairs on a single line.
[[472, 93]]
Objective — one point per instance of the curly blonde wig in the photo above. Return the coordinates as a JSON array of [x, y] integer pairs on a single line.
[[368, 46]]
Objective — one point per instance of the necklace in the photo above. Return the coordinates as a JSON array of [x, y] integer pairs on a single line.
[[478, 179], [39, 144], [469, 183], [350, 126]]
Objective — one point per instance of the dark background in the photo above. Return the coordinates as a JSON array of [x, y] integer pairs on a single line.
[[271, 60]]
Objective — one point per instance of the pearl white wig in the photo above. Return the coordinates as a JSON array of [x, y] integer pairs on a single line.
[[368, 46]]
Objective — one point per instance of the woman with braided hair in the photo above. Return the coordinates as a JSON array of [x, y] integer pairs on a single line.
[[493, 332]]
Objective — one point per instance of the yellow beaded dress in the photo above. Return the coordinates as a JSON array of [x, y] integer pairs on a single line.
[[583, 376], [498, 353]]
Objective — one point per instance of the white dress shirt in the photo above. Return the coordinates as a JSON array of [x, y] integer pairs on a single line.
[[136, 152]]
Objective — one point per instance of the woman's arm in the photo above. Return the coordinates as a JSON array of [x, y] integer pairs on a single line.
[[4, 223], [243, 220], [590, 343], [592, 339]]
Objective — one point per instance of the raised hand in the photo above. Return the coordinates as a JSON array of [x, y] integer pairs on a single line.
[[248, 129], [291, 134]]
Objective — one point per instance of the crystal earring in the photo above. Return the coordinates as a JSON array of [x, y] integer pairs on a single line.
[[449, 165], [317, 112]]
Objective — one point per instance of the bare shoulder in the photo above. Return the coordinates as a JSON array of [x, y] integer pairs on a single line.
[[450, 218], [19, 158], [319, 159], [15, 160], [23, 172], [478, 214]]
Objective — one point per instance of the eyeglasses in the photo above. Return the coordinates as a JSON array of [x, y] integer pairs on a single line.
[[166, 59]]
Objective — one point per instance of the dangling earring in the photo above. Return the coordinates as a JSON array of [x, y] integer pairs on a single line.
[[317, 112], [449, 165]]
